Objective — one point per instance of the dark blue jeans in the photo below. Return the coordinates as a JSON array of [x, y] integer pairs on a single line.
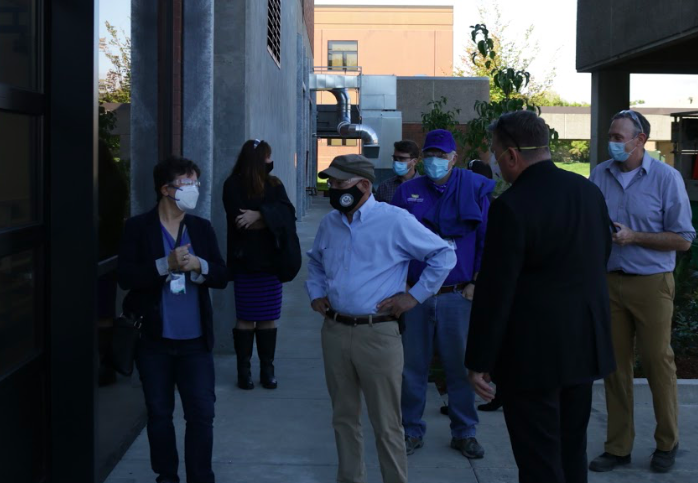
[[188, 365], [441, 322]]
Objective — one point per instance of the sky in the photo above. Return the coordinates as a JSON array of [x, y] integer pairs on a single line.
[[554, 22]]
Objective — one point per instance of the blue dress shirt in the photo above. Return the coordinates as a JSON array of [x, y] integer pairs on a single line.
[[654, 201], [359, 265]]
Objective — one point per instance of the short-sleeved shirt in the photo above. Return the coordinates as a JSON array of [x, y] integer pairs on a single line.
[[653, 201]]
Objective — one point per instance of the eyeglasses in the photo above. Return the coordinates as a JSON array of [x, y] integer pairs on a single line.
[[402, 158], [178, 183], [338, 184], [627, 112], [435, 154]]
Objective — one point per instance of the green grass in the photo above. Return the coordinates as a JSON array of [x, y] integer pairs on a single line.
[[321, 184], [579, 168]]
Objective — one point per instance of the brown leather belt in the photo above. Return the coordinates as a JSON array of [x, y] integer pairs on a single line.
[[625, 274], [351, 320]]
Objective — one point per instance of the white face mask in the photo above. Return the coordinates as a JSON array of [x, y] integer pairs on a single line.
[[186, 197]]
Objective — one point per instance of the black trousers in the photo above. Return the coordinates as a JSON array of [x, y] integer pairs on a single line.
[[548, 432]]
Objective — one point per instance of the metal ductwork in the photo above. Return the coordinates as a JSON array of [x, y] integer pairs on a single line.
[[345, 128]]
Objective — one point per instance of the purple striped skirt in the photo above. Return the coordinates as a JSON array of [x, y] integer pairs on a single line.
[[257, 296]]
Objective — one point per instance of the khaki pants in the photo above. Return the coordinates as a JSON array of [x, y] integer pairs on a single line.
[[641, 311], [368, 359]]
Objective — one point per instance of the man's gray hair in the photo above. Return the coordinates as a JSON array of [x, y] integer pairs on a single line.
[[641, 123]]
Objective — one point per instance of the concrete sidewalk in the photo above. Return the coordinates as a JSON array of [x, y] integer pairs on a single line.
[[285, 435]]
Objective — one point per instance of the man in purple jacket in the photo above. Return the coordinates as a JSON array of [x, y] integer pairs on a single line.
[[452, 203]]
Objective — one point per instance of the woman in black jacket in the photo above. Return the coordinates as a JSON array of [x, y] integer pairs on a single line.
[[168, 260], [255, 202]]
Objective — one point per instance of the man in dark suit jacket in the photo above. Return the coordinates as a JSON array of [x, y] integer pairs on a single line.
[[541, 321]]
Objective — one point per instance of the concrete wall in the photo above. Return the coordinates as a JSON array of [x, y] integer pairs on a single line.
[[198, 97], [610, 31], [575, 122], [414, 94], [144, 103]]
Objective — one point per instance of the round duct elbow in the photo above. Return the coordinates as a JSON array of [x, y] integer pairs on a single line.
[[368, 135]]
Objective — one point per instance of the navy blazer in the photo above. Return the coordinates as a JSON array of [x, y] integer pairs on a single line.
[[141, 246]]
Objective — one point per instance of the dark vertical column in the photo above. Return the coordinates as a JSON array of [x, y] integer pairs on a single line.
[[610, 93], [170, 41], [71, 85]]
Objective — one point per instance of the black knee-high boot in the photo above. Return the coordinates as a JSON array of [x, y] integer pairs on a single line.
[[266, 347], [244, 340]]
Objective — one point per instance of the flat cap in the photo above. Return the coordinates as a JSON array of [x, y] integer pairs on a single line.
[[349, 166]]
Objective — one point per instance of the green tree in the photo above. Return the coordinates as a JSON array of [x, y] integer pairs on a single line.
[[505, 52], [116, 87], [507, 95], [567, 151], [552, 98], [441, 118], [106, 124]]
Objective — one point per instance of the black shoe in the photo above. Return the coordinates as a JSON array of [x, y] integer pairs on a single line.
[[493, 405], [662, 461], [469, 447], [266, 347], [244, 341], [413, 444], [608, 462]]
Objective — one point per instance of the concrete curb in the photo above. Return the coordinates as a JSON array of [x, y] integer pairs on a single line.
[[688, 391]]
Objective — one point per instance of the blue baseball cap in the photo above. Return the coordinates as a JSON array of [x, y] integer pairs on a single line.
[[440, 139]]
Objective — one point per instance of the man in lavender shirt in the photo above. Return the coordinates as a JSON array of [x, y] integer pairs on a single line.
[[649, 206]]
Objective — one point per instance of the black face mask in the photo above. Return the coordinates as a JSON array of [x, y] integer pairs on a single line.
[[345, 200], [270, 166]]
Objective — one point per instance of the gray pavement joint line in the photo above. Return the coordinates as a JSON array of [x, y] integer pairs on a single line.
[[271, 398], [329, 465], [477, 478]]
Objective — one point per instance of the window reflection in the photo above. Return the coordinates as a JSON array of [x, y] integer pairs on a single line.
[[17, 169], [18, 43], [17, 309]]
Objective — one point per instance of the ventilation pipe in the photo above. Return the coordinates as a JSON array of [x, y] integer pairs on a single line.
[[346, 129]]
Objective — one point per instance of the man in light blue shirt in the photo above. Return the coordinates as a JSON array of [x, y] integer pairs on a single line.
[[357, 274], [651, 214]]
